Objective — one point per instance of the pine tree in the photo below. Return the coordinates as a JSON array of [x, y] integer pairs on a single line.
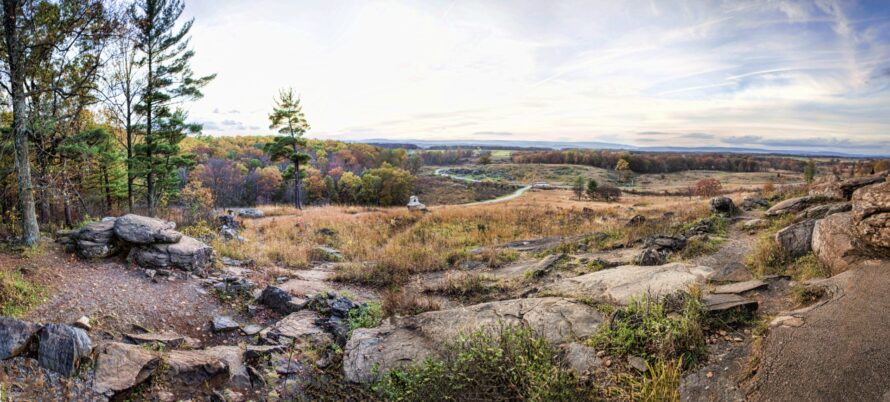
[[809, 171], [592, 187], [165, 58], [287, 116], [578, 187]]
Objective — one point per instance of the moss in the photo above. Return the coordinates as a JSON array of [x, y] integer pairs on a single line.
[[17, 294]]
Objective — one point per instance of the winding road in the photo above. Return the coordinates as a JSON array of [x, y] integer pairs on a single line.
[[516, 194]]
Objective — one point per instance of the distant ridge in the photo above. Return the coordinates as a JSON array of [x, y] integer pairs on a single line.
[[613, 146]]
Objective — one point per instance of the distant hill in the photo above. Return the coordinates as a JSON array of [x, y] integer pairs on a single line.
[[510, 144]]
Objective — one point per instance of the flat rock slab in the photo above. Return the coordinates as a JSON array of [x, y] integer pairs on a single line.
[[732, 272], [740, 287], [170, 340], [224, 324], [305, 289], [622, 284], [371, 352], [300, 326], [723, 302], [195, 368], [120, 366]]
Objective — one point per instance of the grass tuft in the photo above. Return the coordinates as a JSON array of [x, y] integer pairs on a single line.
[[17, 294]]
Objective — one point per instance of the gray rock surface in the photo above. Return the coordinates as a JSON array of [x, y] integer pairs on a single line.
[[234, 358], [15, 335], [62, 347], [821, 211], [95, 240], [195, 368], [794, 205], [137, 229], [224, 323], [621, 284], [415, 338], [169, 339], [188, 254], [723, 206], [580, 358], [871, 215], [796, 239], [300, 326], [250, 213], [649, 257], [120, 367], [740, 287], [834, 242], [280, 300]]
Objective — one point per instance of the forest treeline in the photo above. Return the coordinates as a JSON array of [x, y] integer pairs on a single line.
[[662, 162]]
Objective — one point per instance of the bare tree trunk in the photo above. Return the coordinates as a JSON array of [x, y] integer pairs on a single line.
[[30, 229], [298, 200]]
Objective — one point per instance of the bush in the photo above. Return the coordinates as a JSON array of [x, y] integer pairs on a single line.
[[367, 315], [508, 363], [707, 188], [666, 329], [605, 192]]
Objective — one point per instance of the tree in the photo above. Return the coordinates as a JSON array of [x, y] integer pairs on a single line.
[[809, 171], [485, 158], [592, 186], [709, 187], [578, 187], [287, 116], [623, 169], [169, 80], [395, 184], [349, 187]]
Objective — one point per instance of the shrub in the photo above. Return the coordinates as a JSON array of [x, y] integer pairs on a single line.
[[367, 315], [507, 363], [667, 328], [709, 187]]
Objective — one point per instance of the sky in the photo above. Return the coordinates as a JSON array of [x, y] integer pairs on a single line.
[[780, 74]]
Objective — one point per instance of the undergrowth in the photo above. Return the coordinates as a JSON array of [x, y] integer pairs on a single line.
[[17, 294], [768, 258]]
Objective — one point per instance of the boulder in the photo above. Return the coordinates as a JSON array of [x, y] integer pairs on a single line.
[[871, 214], [821, 211], [15, 335], [580, 358], [650, 256], [280, 300], [251, 213], [740, 287], [234, 358], [796, 239], [195, 368], [137, 229], [62, 347], [95, 240], [794, 205], [834, 243], [120, 367], [750, 203], [723, 206], [636, 220], [93, 251], [327, 254], [224, 323], [300, 327], [753, 224], [371, 352], [845, 189], [188, 254], [414, 204], [726, 301], [665, 243], [622, 284]]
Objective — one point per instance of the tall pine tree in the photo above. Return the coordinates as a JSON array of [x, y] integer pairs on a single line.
[[287, 116], [165, 57]]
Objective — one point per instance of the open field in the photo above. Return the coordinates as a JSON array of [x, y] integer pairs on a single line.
[[729, 180], [531, 173]]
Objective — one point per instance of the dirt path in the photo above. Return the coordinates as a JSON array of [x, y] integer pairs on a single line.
[[116, 297], [840, 353]]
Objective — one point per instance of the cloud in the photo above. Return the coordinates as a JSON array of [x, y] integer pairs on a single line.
[[822, 143], [494, 133], [698, 136]]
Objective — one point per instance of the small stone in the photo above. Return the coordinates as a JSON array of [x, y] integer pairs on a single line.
[[83, 322], [251, 329], [224, 324], [637, 363], [710, 374]]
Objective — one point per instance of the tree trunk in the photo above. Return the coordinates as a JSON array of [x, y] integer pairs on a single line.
[[149, 179], [130, 177], [298, 200], [30, 229], [108, 205]]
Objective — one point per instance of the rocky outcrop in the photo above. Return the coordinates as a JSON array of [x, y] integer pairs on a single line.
[[234, 358], [649, 257], [120, 366], [796, 240], [414, 204], [62, 347], [15, 335], [138, 229], [622, 284], [821, 211], [750, 203], [280, 301], [845, 189], [250, 213], [723, 206], [372, 352], [834, 242], [188, 254], [871, 214], [152, 243], [300, 327], [794, 205]]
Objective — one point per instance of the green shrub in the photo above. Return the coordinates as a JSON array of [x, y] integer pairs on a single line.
[[667, 328], [367, 315], [507, 363], [17, 294]]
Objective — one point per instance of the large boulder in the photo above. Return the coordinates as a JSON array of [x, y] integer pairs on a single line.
[[62, 347], [300, 327], [15, 335], [120, 366], [796, 239], [95, 240], [234, 357], [723, 206], [871, 214], [750, 203], [280, 301], [371, 352], [250, 213], [622, 284], [834, 243], [665, 243], [188, 254], [821, 211], [649, 257], [845, 189], [137, 229], [794, 205], [195, 368]]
